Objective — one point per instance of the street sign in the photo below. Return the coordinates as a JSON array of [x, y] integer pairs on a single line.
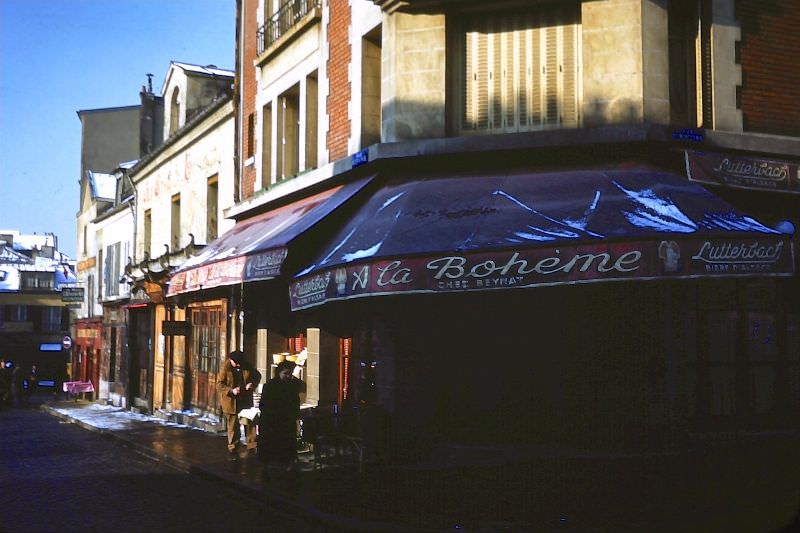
[[66, 342], [72, 294]]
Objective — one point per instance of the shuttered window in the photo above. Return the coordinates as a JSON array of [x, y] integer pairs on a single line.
[[521, 71]]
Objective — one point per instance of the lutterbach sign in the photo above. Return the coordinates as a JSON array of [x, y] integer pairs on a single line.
[[763, 255], [743, 172]]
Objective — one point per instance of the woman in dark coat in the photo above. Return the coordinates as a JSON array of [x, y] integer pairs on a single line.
[[280, 408]]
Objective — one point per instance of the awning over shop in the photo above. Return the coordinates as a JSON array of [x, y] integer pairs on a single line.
[[256, 248], [521, 230]]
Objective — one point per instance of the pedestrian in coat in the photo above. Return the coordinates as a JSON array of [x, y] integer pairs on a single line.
[[280, 409], [17, 385], [236, 382]]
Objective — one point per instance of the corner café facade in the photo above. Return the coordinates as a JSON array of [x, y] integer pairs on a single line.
[[620, 307], [611, 304]]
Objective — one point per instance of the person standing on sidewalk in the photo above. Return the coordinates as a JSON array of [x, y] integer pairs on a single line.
[[236, 383], [280, 408]]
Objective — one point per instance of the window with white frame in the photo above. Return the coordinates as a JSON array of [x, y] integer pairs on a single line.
[[521, 70]]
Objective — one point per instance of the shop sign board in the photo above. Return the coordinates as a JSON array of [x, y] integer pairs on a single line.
[[72, 294], [761, 255], [177, 328], [216, 274], [743, 172]]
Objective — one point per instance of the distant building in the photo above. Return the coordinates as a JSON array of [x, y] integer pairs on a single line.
[[33, 317]]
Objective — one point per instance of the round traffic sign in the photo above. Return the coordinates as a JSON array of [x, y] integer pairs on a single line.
[[66, 342]]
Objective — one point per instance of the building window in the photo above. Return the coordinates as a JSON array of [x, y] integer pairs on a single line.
[[85, 239], [311, 120], [288, 133], [690, 63], [251, 134], [371, 88], [17, 313], [51, 319], [212, 204], [148, 231], [174, 110], [90, 295], [37, 280], [266, 146], [175, 224], [113, 270], [520, 72]]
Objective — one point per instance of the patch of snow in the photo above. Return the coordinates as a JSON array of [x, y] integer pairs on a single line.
[[656, 212]]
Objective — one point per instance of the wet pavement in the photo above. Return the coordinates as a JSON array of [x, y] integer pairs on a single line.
[[748, 483]]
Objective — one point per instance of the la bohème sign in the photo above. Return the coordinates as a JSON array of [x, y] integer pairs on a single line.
[[768, 255]]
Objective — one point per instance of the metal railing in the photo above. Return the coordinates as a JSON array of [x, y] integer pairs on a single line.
[[284, 20]]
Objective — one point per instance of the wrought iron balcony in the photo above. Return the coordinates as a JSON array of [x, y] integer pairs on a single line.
[[279, 24]]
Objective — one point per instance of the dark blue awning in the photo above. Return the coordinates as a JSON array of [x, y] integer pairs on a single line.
[[256, 248], [479, 232]]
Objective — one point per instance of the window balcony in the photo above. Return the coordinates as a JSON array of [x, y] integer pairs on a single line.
[[289, 20]]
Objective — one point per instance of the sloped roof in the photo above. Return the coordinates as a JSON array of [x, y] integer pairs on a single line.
[[208, 70]]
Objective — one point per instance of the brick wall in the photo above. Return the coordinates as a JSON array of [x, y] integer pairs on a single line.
[[248, 87], [339, 95], [770, 65]]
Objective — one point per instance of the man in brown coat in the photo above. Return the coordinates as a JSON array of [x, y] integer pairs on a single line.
[[236, 382]]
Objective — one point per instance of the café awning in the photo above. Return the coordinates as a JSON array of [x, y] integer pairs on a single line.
[[467, 233], [256, 248]]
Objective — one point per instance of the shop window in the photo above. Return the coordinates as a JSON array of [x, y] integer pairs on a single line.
[[297, 343], [520, 72], [206, 334], [345, 352], [793, 350]]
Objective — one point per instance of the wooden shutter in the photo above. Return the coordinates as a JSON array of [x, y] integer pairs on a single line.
[[521, 72]]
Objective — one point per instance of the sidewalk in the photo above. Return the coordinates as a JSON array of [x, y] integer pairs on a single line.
[[747, 485]]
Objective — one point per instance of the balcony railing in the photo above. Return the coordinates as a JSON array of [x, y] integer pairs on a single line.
[[284, 20]]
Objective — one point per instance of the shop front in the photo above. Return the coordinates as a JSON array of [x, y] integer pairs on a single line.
[[234, 296], [613, 308], [87, 349]]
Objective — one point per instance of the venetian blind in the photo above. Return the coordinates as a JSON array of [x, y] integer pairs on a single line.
[[521, 71]]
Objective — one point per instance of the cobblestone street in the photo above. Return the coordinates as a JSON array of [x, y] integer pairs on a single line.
[[56, 476]]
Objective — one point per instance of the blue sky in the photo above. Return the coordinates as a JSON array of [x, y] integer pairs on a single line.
[[61, 56]]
